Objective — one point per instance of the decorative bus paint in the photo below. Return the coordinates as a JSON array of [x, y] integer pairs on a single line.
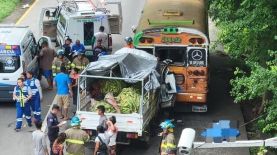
[[178, 30]]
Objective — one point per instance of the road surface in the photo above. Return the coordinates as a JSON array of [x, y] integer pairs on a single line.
[[221, 105]]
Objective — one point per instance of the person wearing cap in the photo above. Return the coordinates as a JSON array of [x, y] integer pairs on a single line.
[[129, 42], [59, 61], [67, 48], [80, 62], [168, 144], [75, 138], [34, 84]]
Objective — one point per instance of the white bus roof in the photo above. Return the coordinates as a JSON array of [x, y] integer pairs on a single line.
[[12, 35]]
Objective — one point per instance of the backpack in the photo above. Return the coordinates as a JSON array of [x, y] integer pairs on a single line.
[[103, 149]]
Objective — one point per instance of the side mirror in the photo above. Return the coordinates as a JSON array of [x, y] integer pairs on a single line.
[[134, 29]]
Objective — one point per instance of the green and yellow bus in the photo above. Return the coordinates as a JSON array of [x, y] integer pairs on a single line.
[[178, 30]]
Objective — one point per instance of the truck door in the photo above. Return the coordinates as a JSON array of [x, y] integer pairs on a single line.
[[88, 33], [115, 17], [48, 22]]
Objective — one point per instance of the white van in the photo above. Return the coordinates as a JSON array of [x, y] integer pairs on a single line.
[[18, 50], [80, 19]]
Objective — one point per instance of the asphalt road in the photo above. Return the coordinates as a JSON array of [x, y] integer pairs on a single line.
[[221, 105]]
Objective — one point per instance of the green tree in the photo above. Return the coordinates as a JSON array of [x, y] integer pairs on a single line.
[[247, 30]]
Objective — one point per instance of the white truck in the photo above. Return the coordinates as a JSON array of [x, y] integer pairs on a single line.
[[80, 19], [134, 67]]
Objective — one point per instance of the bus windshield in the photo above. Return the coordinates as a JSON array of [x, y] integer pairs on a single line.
[[176, 54]]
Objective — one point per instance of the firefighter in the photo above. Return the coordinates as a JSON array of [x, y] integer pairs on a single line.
[[80, 62], [129, 42], [75, 138], [34, 84], [59, 61], [22, 95], [168, 144]]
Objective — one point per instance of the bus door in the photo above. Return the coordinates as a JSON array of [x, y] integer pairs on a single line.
[[178, 67]]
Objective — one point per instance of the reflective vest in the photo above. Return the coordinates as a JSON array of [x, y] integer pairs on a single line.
[[57, 63], [168, 145], [22, 94], [31, 83], [80, 64], [75, 141]]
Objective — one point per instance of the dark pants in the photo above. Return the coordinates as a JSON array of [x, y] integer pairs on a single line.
[[52, 140], [75, 92]]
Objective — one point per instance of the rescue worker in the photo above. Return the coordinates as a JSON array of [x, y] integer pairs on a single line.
[[168, 144], [34, 84], [75, 138], [80, 62], [129, 42], [59, 61], [22, 95], [67, 48]]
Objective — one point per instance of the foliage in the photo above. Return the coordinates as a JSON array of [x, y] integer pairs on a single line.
[[7, 6], [247, 30]]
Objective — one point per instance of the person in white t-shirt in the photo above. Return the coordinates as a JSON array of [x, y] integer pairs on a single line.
[[101, 35], [101, 142]]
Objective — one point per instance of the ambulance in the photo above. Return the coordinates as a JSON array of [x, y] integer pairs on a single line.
[[18, 53], [80, 19]]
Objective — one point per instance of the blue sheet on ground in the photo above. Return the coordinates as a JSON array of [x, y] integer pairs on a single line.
[[222, 130]]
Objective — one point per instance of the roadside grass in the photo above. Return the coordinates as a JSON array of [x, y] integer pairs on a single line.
[[6, 7]]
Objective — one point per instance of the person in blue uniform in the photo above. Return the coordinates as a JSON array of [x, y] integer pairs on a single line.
[[22, 95], [78, 47], [53, 126], [34, 84]]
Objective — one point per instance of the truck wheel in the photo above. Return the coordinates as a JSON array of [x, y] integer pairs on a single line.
[[145, 140]]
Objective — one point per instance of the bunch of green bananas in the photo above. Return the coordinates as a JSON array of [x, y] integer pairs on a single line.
[[108, 108], [129, 100], [112, 86]]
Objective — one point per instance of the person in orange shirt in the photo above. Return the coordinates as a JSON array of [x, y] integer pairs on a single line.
[[129, 42], [58, 144], [74, 77]]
